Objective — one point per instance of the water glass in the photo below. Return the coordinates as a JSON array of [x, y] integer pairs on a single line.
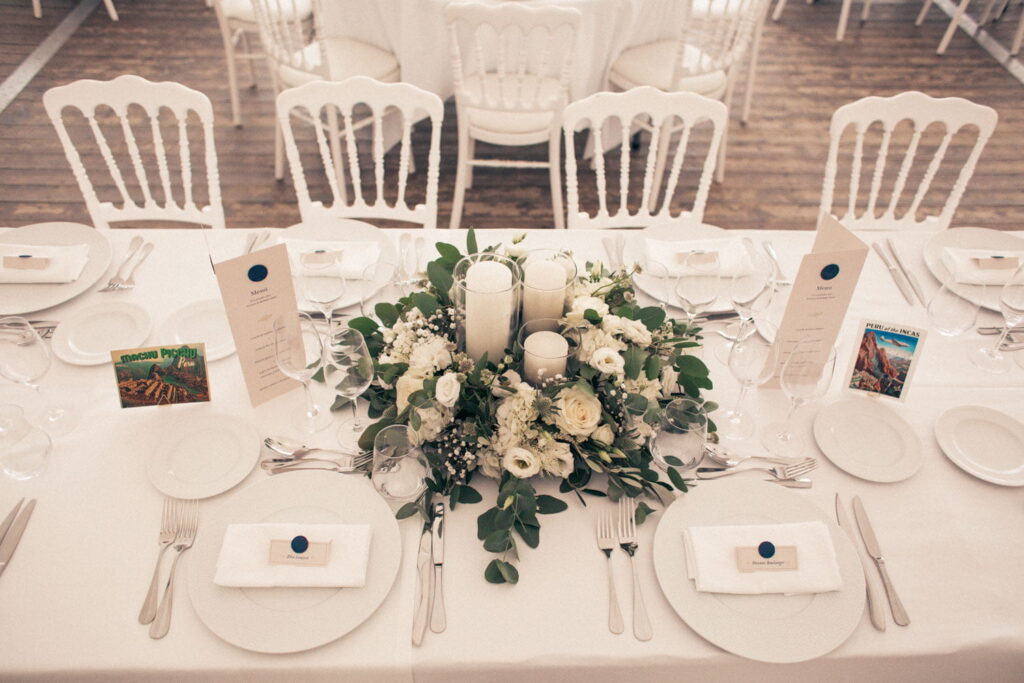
[[24, 449], [1011, 304], [399, 467], [299, 353], [25, 359], [752, 361], [699, 283], [806, 376], [950, 314], [682, 434], [321, 279], [351, 376]]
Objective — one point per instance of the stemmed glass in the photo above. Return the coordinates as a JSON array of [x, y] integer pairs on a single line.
[[299, 353], [699, 283], [750, 292], [23, 448], [752, 361], [950, 314], [682, 434], [654, 279], [399, 466], [347, 352], [322, 280], [805, 377], [1011, 303], [382, 274], [25, 359]]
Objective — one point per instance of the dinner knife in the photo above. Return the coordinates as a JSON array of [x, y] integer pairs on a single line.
[[874, 599], [13, 535], [867, 533], [896, 277], [424, 568], [9, 520], [999, 329], [438, 621], [907, 273]]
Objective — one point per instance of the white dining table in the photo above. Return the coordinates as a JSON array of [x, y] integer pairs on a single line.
[[954, 545]]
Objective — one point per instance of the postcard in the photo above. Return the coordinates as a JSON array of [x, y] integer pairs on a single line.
[[161, 375], [885, 358]]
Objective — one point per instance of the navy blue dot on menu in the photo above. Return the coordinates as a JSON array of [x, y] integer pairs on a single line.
[[258, 273], [300, 544], [766, 549], [829, 271]]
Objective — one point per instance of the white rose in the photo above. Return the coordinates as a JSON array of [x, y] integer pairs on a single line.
[[578, 412], [612, 324], [447, 390], [557, 459], [580, 306], [521, 462], [636, 332], [604, 434], [608, 361], [489, 463], [502, 388], [433, 420], [593, 339], [408, 383]]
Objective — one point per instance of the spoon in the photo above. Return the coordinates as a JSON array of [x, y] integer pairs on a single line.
[[294, 450], [721, 458]]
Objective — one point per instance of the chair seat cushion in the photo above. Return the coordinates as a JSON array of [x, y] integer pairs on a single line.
[[491, 92], [345, 58], [651, 64], [242, 9]]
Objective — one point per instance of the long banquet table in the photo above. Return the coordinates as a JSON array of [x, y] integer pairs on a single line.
[[69, 600]]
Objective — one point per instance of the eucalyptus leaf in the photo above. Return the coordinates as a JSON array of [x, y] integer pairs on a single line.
[[643, 511], [425, 302], [407, 510], [471, 247], [365, 326], [498, 541], [493, 574], [676, 479], [529, 534], [652, 317], [440, 278], [386, 313], [468, 494], [635, 358], [549, 505], [692, 366], [448, 252], [652, 367]]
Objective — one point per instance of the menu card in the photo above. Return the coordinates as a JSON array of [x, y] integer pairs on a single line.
[[821, 291], [257, 288]]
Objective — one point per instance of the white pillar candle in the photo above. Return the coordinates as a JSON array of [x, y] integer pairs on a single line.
[[543, 290], [489, 299], [544, 355]]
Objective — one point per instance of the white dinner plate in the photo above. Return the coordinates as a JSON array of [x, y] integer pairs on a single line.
[[345, 230], [89, 335], [280, 620], [969, 238], [635, 251], [202, 321], [17, 299], [766, 628], [867, 439], [202, 454], [983, 442]]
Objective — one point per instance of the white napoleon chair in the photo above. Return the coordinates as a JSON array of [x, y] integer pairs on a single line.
[[512, 65], [658, 112], [844, 14], [37, 9], [160, 199], [411, 104], [296, 58], [704, 59], [922, 112], [993, 11]]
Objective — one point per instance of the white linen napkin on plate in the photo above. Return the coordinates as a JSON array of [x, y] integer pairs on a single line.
[[355, 256], [732, 257], [245, 553], [711, 558], [966, 268], [65, 263]]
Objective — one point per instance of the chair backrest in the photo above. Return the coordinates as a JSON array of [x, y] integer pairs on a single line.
[[922, 112], [512, 57], [284, 36], [152, 99], [716, 37], [394, 100], [664, 114]]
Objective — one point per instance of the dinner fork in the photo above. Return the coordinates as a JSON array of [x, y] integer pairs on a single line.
[[118, 279], [606, 543], [627, 541], [188, 525], [779, 472], [357, 464], [168, 529]]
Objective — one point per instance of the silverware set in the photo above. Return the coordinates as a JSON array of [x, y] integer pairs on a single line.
[[783, 471], [430, 570], [179, 524], [12, 528], [1012, 341], [619, 528], [124, 277], [290, 457]]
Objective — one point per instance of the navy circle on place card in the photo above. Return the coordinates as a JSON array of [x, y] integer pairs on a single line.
[[300, 544], [258, 273], [766, 549], [829, 271]]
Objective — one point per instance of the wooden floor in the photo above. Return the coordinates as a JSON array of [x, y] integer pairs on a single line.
[[775, 164]]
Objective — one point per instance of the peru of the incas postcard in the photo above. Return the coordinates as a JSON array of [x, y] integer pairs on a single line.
[[885, 358], [161, 375]]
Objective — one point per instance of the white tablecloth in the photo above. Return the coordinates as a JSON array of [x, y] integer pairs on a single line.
[[69, 600]]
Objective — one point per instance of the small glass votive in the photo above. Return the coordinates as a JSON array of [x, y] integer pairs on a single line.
[[548, 348], [682, 434]]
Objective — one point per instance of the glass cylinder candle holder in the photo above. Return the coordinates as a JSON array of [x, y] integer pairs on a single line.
[[547, 274], [487, 294], [548, 349]]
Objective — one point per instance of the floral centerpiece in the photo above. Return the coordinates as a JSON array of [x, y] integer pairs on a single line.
[[480, 418]]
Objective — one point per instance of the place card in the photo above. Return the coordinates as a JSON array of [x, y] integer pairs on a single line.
[[26, 262], [300, 552], [766, 557], [257, 288], [161, 375], [821, 291], [884, 359]]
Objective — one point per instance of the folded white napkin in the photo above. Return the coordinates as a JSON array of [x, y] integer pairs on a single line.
[[355, 256], [732, 257], [61, 264], [711, 559], [975, 267], [244, 559]]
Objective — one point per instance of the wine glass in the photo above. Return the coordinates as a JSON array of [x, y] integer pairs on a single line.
[[654, 279], [698, 283], [347, 352], [25, 359], [1011, 303], [322, 280], [379, 282], [752, 361], [682, 434], [299, 353], [24, 449], [399, 466], [951, 314], [805, 376], [750, 292]]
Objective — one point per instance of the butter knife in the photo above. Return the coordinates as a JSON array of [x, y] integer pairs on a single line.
[[867, 532], [874, 599], [896, 276], [438, 621], [424, 568], [10, 520], [13, 535], [907, 273]]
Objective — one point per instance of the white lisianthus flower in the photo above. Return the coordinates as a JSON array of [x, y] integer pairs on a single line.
[[612, 324], [408, 383], [521, 462], [489, 463], [594, 339], [433, 420], [556, 459], [447, 389], [604, 434], [580, 306], [648, 388], [578, 412], [431, 354], [608, 361], [512, 380], [636, 332]]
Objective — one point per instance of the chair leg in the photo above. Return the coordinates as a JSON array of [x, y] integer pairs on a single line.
[[111, 10], [460, 178], [755, 53], [554, 161], [924, 11], [953, 23], [469, 167], [844, 18], [986, 13], [864, 12], [1019, 37], [339, 167], [779, 6], [244, 39], [37, 9], [229, 56]]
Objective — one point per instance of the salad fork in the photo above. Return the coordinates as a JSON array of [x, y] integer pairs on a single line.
[[129, 282], [780, 472], [118, 279], [188, 525], [168, 529], [606, 541], [627, 541]]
